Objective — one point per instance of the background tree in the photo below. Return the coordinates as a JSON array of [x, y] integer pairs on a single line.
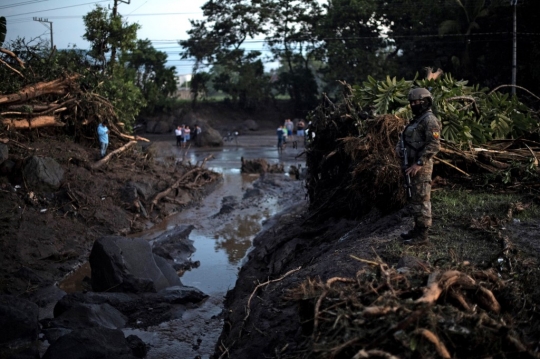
[[104, 31], [2, 30], [156, 81], [351, 43], [287, 26]]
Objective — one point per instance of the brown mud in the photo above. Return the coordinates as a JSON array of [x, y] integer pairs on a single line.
[[45, 237], [300, 293]]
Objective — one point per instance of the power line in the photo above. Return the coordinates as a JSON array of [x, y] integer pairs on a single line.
[[21, 4], [59, 8]]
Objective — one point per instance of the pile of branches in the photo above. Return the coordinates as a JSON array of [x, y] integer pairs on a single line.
[[353, 167], [403, 313], [66, 102]]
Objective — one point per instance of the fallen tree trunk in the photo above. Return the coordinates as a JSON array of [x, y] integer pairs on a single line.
[[58, 86], [29, 123], [106, 159]]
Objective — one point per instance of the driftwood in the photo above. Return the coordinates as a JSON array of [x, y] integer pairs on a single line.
[[491, 157], [198, 172], [175, 185], [29, 123], [58, 87], [106, 159]]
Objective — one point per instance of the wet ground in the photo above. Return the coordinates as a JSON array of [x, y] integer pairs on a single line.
[[221, 241]]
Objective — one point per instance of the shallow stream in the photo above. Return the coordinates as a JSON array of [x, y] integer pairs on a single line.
[[221, 243]]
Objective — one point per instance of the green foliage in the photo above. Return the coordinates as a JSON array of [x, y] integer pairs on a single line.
[[123, 94], [468, 114], [106, 32], [242, 77], [155, 80], [383, 97]]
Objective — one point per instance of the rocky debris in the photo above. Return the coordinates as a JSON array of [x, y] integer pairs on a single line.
[[84, 315], [159, 127], [43, 173], [46, 297], [127, 264], [140, 310], [177, 295], [175, 247], [228, 204], [260, 165], [91, 343], [138, 347], [19, 328], [250, 125]]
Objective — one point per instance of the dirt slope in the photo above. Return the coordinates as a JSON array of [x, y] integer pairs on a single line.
[[301, 265]]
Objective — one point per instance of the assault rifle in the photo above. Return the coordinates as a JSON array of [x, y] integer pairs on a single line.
[[405, 165]]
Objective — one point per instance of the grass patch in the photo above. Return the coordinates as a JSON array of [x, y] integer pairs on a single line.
[[467, 227], [450, 205]]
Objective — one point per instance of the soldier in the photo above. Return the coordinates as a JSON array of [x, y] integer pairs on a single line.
[[421, 139]]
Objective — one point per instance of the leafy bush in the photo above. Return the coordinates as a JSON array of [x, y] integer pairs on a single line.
[[469, 114]]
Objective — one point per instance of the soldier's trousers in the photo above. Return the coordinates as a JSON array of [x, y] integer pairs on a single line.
[[420, 202]]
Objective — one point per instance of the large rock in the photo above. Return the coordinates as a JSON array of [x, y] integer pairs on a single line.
[[84, 315], [91, 343], [43, 173], [19, 328], [175, 246], [162, 127], [122, 264], [209, 138], [250, 125]]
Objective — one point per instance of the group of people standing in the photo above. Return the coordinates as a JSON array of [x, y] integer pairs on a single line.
[[184, 134], [286, 131]]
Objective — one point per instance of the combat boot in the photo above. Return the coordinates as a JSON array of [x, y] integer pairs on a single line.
[[420, 236]]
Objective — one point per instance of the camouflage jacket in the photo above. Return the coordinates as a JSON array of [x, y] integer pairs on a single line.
[[421, 137]]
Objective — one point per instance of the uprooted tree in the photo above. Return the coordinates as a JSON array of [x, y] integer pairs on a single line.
[[353, 167]]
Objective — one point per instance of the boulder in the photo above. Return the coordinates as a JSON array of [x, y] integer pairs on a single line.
[[162, 127], [209, 138], [175, 245], [150, 125], [168, 271], [43, 173], [122, 264], [84, 315], [88, 343], [250, 125], [19, 328], [179, 295], [121, 301], [46, 299]]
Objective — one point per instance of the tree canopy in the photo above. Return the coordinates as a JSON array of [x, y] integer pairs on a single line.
[[472, 39]]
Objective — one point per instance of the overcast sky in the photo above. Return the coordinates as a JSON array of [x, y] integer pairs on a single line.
[[164, 22]]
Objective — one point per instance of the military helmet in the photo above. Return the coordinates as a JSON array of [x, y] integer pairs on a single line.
[[420, 93]]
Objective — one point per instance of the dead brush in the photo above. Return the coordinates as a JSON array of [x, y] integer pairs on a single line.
[[454, 313]]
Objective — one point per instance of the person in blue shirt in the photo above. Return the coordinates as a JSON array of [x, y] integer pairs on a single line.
[[281, 138], [103, 134]]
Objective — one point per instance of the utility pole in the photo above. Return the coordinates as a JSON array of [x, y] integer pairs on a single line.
[[114, 14], [514, 48], [42, 20]]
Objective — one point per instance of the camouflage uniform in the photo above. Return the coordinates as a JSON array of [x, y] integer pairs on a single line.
[[421, 137]]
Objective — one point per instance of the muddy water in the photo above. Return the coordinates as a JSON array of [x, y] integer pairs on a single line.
[[221, 243]]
